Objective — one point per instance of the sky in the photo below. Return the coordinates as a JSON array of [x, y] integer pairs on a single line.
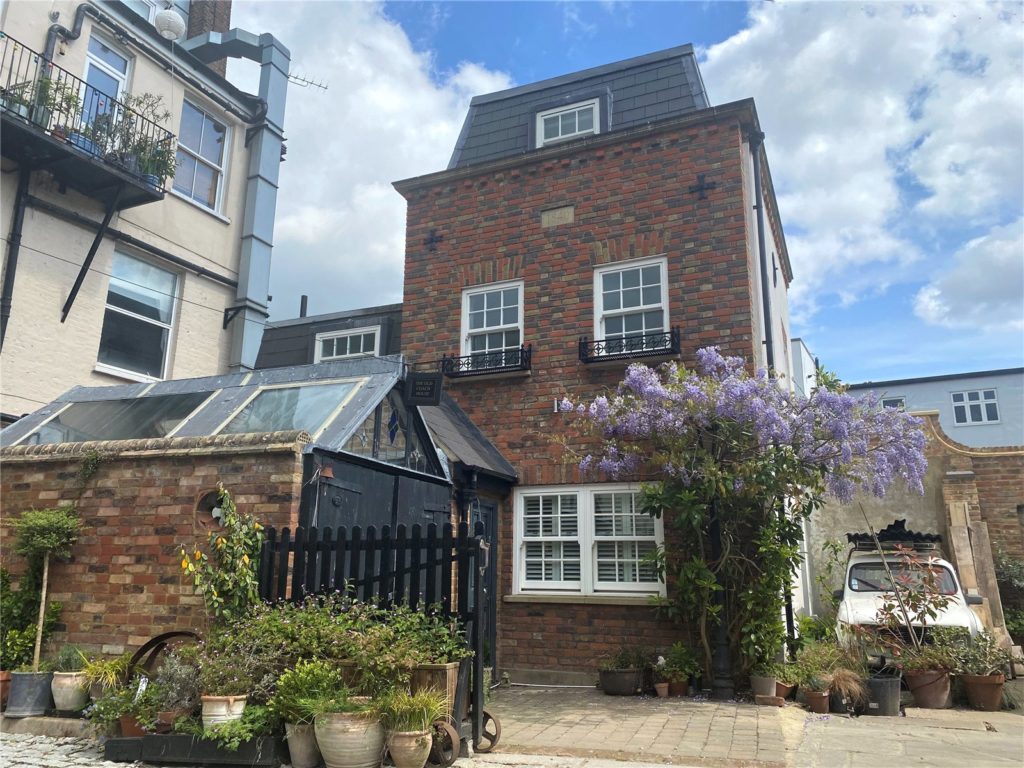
[[894, 132]]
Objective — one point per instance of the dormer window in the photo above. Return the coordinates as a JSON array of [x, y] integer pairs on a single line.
[[561, 123]]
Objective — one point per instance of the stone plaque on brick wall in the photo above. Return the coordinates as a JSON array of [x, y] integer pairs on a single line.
[[555, 216]]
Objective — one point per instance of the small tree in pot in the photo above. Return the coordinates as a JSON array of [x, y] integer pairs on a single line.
[[41, 534]]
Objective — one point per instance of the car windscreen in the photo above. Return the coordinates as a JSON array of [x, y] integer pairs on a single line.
[[871, 577]]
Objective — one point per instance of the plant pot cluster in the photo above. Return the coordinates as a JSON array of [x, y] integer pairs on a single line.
[[631, 671]]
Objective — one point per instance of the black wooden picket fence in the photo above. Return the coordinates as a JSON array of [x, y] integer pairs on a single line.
[[409, 566]]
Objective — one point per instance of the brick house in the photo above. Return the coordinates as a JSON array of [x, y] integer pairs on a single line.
[[584, 223]]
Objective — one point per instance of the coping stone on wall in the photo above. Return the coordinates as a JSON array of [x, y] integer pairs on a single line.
[[263, 442]]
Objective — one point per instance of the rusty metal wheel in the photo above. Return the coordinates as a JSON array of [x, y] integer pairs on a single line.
[[490, 733], [445, 749]]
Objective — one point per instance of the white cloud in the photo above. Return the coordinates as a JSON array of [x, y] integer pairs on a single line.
[[340, 229], [984, 288], [893, 131]]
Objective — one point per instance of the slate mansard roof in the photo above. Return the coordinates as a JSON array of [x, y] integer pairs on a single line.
[[633, 92]]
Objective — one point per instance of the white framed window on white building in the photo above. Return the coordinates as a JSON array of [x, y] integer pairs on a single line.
[[356, 342], [975, 406], [585, 540], [572, 121], [106, 78], [492, 324], [145, 8], [631, 306], [899, 403], [202, 156], [137, 324]]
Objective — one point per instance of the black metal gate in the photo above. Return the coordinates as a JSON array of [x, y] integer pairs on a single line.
[[419, 567]]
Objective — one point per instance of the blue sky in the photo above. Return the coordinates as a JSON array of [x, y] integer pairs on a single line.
[[894, 136]]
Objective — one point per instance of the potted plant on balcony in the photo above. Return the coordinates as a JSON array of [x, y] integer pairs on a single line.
[[981, 665], [40, 534], [139, 141], [14, 100], [69, 687]]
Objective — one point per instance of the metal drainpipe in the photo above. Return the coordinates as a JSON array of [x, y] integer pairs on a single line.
[[13, 248], [265, 141], [756, 140]]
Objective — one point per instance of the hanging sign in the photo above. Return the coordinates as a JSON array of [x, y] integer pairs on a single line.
[[423, 388]]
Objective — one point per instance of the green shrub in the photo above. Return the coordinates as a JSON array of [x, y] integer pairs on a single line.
[[302, 691], [70, 659], [19, 611]]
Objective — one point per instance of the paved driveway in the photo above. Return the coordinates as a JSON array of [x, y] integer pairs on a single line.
[[586, 723]]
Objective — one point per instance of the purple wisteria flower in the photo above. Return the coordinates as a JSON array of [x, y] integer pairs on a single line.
[[674, 421]]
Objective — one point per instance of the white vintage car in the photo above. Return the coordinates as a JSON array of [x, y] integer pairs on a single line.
[[864, 592]]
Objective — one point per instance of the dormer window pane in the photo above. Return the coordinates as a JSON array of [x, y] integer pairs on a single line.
[[567, 122]]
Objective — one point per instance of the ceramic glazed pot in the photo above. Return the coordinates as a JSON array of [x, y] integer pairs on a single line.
[[70, 692], [621, 682], [929, 687], [302, 748], [30, 694], [984, 692], [350, 740], [409, 749], [222, 709], [817, 701], [762, 686]]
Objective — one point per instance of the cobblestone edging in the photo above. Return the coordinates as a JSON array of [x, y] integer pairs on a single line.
[[18, 750]]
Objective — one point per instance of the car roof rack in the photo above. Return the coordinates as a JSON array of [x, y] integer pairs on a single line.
[[896, 533], [890, 546]]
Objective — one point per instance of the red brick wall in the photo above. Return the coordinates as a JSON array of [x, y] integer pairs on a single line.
[[631, 201], [123, 584], [1000, 488], [210, 16]]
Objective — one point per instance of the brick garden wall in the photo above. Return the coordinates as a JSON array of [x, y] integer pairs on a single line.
[[629, 200], [123, 584]]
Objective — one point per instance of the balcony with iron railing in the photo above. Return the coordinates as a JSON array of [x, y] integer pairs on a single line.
[[90, 141], [485, 363], [662, 343]]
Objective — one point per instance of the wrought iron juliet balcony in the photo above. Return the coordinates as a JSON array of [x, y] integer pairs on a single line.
[[480, 363], [630, 346], [89, 140]]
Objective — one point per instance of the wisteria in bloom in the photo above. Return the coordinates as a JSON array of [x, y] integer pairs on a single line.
[[720, 421]]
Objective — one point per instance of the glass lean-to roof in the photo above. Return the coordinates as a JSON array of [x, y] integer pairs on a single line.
[[328, 400]]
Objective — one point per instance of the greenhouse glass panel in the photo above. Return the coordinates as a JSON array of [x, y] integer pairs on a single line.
[[133, 419], [286, 408]]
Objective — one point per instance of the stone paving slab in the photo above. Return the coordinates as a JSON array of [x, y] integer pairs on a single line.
[[721, 734]]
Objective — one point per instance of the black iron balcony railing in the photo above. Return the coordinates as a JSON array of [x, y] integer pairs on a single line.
[[50, 100], [479, 363], [639, 345]]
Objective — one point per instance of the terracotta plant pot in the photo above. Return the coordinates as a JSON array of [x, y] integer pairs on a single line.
[[621, 682], [166, 718], [130, 726], [762, 685], [984, 692], [5, 688], [70, 692], [817, 701], [302, 748], [784, 690], [929, 687], [409, 749], [661, 689], [222, 709], [350, 740], [678, 688]]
